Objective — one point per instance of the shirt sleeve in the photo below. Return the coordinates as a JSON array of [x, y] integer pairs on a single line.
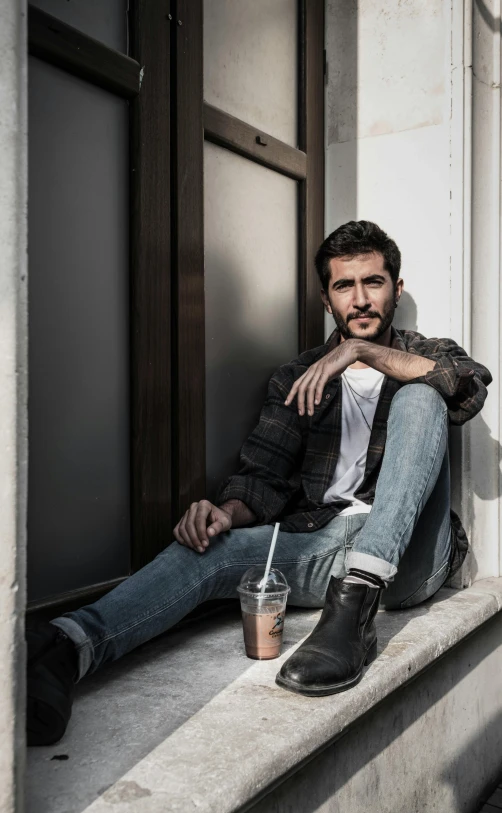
[[269, 456], [459, 379]]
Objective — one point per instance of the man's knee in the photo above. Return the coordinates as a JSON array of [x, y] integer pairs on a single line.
[[419, 397]]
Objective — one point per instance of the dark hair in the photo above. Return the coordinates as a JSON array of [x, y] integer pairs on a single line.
[[351, 240]]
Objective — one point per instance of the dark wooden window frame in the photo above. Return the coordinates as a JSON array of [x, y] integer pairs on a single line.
[[77, 53], [240, 137], [305, 164], [168, 439]]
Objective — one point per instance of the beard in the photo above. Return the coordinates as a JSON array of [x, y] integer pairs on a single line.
[[369, 334]]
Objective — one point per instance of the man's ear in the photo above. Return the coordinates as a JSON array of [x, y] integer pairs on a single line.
[[325, 301], [398, 290]]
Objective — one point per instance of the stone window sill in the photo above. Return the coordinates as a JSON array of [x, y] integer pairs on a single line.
[[188, 723]]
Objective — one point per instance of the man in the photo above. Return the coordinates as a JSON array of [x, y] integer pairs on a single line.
[[350, 454]]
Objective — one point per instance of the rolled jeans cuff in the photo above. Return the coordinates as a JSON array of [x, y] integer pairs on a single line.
[[82, 642], [371, 564]]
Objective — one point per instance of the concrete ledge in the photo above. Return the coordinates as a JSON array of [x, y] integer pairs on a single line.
[[252, 733], [188, 723]]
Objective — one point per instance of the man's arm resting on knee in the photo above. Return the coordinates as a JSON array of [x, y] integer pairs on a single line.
[[458, 378], [440, 363], [203, 521], [394, 363]]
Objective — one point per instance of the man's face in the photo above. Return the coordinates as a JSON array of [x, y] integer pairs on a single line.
[[361, 296]]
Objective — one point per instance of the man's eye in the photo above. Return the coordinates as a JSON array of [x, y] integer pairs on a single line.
[[375, 283]]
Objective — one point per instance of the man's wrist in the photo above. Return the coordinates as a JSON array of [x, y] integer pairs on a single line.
[[358, 348], [239, 513], [370, 352], [229, 507]]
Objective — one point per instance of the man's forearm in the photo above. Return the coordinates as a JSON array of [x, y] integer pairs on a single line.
[[241, 515], [393, 363]]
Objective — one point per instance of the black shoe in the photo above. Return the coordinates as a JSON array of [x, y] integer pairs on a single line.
[[51, 673], [344, 641]]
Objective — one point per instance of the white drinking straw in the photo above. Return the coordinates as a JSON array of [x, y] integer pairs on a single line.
[[269, 560]]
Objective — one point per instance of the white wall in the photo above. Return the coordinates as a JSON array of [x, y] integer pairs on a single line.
[[13, 397], [399, 152], [388, 139]]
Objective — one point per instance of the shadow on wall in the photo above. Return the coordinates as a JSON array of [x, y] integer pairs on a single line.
[[474, 752], [406, 316], [493, 23], [251, 329], [488, 488]]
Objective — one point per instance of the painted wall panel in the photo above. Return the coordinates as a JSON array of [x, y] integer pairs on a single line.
[[104, 20], [250, 62], [78, 505], [401, 183], [251, 296]]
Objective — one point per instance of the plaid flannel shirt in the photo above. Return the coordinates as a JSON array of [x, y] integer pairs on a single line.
[[288, 462]]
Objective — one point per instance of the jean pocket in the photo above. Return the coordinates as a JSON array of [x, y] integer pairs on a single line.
[[428, 588]]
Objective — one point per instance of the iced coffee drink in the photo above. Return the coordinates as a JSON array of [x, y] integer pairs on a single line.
[[263, 610]]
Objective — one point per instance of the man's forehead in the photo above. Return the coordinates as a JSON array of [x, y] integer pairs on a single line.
[[360, 265]]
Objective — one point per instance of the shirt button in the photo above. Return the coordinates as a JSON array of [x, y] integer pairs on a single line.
[[310, 525], [328, 397]]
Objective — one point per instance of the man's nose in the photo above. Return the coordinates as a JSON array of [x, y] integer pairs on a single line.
[[360, 299]]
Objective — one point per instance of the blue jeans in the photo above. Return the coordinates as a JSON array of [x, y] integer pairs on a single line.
[[405, 539]]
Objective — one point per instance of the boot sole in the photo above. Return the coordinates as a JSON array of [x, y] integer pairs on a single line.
[[335, 688]]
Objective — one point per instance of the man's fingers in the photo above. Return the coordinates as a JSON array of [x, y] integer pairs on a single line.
[[203, 510], [311, 384], [191, 529], [311, 392], [176, 533], [184, 538], [220, 521], [293, 391], [309, 375], [320, 384], [216, 528], [296, 386]]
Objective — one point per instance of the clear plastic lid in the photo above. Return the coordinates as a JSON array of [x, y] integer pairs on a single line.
[[252, 582]]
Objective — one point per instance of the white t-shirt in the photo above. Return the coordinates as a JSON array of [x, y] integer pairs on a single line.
[[349, 472]]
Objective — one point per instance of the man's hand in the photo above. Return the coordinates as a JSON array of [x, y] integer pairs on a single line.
[[397, 364], [312, 382], [202, 521]]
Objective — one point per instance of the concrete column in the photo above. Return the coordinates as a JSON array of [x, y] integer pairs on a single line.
[[484, 431], [13, 397], [460, 137]]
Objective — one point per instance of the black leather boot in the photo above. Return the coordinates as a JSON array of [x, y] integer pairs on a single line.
[[343, 642], [51, 673]]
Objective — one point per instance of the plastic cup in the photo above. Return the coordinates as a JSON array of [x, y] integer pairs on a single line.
[[263, 613]]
